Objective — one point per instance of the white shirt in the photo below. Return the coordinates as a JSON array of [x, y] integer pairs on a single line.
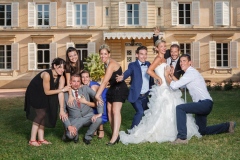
[[169, 59], [194, 83], [145, 78]]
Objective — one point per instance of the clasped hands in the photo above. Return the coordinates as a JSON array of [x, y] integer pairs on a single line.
[[169, 71]]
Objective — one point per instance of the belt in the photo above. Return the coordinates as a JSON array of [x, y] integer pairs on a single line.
[[145, 94]]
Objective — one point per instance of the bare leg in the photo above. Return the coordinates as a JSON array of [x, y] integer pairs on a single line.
[[116, 110], [41, 136], [34, 132], [110, 114], [100, 131]]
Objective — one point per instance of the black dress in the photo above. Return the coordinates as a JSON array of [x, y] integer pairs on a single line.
[[118, 91], [41, 108]]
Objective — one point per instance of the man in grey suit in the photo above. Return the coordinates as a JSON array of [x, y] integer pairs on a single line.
[[81, 114]]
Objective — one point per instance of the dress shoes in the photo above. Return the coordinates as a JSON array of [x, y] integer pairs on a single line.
[[76, 139], [232, 126], [87, 142], [180, 141], [111, 144]]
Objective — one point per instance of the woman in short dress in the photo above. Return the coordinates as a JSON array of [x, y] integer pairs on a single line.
[[117, 92], [41, 100]]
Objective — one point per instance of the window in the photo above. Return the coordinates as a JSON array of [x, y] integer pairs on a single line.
[[43, 56], [5, 57], [133, 14], [82, 51], [43, 14], [184, 13], [185, 48], [107, 11], [5, 15], [159, 11], [222, 55], [81, 14]]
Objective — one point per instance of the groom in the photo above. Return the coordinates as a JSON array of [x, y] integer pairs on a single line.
[[172, 55], [140, 83], [202, 102]]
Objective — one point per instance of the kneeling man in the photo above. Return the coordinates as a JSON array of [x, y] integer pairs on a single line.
[[81, 114]]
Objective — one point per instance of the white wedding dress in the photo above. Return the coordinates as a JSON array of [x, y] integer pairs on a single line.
[[159, 121]]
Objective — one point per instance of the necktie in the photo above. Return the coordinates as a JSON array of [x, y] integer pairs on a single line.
[[76, 95], [143, 64]]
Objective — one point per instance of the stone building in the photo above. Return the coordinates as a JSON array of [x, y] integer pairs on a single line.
[[33, 32]]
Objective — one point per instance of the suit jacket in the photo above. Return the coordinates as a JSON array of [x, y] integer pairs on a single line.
[[177, 71], [134, 70], [84, 111]]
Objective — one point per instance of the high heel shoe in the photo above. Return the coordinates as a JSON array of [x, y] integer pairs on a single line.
[[111, 144]]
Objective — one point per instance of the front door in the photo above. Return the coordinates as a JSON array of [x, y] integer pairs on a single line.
[[130, 55]]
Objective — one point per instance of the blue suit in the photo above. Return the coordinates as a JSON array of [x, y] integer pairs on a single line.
[[138, 101]]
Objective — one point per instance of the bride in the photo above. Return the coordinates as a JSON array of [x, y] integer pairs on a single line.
[[159, 121]]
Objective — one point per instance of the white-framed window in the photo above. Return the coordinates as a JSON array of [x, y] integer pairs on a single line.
[[82, 51], [40, 56], [43, 56], [185, 13], [185, 48], [133, 14], [9, 57], [42, 15], [5, 14], [80, 14], [222, 13], [223, 54], [9, 15], [5, 57]]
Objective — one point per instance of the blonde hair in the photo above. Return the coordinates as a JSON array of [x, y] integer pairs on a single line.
[[159, 41], [104, 46]]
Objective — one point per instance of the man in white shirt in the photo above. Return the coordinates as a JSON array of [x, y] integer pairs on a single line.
[[202, 102]]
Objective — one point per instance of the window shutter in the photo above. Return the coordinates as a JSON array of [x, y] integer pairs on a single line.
[[221, 13], [70, 44], [15, 56], [91, 47], [196, 54], [233, 54], [175, 42], [122, 13], [53, 13], [195, 12], [31, 56], [91, 14], [226, 13], [174, 12], [31, 14], [53, 51], [143, 13], [15, 14], [69, 13], [212, 54]]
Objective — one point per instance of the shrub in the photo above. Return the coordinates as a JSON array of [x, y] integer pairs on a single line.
[[228, 85], [95, 66], [217, 87]]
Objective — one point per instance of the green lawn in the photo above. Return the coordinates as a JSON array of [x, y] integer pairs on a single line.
[[15, 132]]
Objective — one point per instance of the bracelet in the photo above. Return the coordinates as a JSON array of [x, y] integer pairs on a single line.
[[63, 90]]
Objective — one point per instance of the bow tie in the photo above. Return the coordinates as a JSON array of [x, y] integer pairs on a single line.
[[143, 64], [172, 62]]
